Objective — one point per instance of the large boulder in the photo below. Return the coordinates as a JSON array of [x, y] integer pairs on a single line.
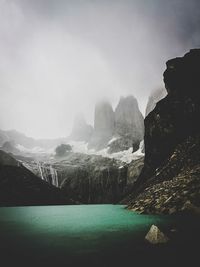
[[155, 236]]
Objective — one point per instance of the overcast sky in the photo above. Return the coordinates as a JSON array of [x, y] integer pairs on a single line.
[[58, 57]]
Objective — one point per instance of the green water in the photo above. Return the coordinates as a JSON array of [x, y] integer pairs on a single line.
[[91, 235]]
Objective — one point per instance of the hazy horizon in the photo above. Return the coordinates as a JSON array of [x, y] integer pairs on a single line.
[[58, 58]]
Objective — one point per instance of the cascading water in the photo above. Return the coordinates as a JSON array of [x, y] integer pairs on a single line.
[[48, 173], [54, 176]]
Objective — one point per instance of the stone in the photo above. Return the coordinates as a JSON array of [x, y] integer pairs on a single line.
[[155, 236]]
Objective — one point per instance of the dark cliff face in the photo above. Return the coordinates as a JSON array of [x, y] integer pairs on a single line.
[[176, 116], [19, 186], [154, 98], [169, 181]]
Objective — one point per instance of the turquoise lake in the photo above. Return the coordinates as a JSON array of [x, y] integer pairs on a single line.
[[80, 235]]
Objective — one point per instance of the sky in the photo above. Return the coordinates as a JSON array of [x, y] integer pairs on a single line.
[[59, 57]]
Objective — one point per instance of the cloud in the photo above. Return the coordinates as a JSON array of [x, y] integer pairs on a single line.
[[57, 58]]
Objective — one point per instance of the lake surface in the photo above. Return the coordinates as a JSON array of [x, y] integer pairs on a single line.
[[81, 235]]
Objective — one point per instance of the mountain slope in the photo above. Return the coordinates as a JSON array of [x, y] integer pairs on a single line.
[[170, 178], [19, 186]]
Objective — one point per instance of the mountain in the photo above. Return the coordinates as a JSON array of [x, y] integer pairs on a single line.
[[21, 139], [94, 179], [154, 98], [129, 125], [104, 122], [169, 181], [120, 129], [81, 131], [19, 186]]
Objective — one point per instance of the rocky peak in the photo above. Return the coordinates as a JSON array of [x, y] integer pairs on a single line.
[[129, 119], [103, 125], [81, 131], [104, 118]]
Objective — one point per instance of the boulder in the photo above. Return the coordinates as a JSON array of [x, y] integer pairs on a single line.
[[155, 236]]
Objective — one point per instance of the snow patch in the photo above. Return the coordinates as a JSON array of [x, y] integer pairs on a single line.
[[126, 156]]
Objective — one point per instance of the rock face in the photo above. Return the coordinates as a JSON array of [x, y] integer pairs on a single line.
[[125, 126], [154, 98], [129, 125], [94, 179], [81, 131], [19, 186], [175, 117], [103, 125], [129, 119], [170, 175]]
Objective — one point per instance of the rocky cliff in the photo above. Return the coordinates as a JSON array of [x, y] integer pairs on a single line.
[[120, 129], [129, 125], [95, 179], [171, 167], [103, 125], [154, 98]]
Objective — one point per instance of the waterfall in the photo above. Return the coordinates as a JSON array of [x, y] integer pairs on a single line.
[[54, 176], [48, 173], [40, 170]]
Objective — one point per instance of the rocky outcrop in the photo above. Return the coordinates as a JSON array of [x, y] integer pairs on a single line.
[[128, 119], [154, 98], [170, 175], [103, 125], [81, 131], [95, 179], [129, 125], [118, 130], [19, 186]]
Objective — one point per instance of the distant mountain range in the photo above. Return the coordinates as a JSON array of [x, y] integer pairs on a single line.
[[117, 129], [16, 138]]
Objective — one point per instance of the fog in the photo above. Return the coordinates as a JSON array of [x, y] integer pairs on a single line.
[[58, 58]]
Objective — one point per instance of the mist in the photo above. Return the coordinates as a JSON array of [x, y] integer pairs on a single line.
[[58, 58]]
